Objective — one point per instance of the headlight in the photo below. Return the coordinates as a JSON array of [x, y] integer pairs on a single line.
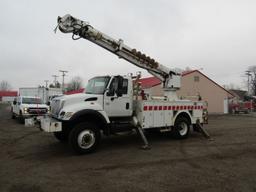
[[65, 115], [62, 114], [25, 110], [68, 115]]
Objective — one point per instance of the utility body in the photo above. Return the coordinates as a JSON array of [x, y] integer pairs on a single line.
[[45, 94], [114, 104]]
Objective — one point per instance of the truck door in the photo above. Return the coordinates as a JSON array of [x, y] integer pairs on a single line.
[[15, 106], [117, 100]]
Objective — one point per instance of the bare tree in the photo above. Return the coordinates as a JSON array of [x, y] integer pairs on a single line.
[[231, 86], [75, 84], [5, 85], [252, 79], [56, 85]]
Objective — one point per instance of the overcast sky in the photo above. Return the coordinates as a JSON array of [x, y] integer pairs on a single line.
[[217, 36]]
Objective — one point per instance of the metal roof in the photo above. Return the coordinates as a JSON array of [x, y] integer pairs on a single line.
[[8, 93]]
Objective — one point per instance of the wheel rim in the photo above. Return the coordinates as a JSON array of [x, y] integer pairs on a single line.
[[86, 139], [183, 128]]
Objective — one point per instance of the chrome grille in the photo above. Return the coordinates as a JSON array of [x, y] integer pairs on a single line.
[[55, 107], [37, 110]]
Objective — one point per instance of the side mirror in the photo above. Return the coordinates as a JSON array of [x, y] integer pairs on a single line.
[[111, 92], [14, 102], [119, 93]]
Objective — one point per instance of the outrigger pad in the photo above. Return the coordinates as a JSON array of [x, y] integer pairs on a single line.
[[145, 147], [203, 131]]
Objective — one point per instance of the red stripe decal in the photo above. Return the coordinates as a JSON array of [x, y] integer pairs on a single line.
[[145, 108]]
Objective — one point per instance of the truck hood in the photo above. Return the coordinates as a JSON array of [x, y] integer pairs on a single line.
[[75, 103], [79, 97]]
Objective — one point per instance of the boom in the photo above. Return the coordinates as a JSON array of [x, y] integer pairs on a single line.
[[82, 29]]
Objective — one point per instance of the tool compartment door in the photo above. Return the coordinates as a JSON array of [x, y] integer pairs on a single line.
[[159, 115], [148, 115]]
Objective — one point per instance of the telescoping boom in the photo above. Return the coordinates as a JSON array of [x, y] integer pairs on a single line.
[[81, 29]]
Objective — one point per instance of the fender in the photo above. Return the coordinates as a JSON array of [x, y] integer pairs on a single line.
[[103, 120], [183, 113]]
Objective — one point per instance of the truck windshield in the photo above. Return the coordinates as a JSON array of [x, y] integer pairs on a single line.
[[97, 85], [31, 100]]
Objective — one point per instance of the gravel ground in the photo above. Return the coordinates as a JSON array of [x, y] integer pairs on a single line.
[[31, 160]]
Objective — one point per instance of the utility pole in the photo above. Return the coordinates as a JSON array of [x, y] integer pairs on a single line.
[[63, 75], [248, 73], [46, 83], [55, 80]]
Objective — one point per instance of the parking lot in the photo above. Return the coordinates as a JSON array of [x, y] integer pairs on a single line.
[[31, 160]]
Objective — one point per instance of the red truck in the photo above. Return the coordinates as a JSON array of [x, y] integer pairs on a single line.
[[242, 106]]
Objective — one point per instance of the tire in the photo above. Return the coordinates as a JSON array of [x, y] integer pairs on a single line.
[[13, 115], [21, 118], [84, 138], [62, 136], [181, 128]]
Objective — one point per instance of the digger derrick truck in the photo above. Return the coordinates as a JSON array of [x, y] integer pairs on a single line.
[[112, 104]]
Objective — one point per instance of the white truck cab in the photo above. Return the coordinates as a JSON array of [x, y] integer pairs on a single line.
[[100, 95], [28, 106]]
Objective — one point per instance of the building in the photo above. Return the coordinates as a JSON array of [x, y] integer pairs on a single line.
[[74, 91], [8, 96], [238, 94], [194, 85]]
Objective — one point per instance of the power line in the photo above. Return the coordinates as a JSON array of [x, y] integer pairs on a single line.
[[63, 76], [46, 83], [248, 73], [55, 80]]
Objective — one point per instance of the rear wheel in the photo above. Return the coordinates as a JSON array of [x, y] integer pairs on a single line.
[[84, 138], [13, 115], [21, 118], [181, 128]]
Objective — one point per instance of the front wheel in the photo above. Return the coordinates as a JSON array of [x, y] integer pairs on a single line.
[[21, 118], [61, 136], [181, 128], [84, 138], [13, 115]]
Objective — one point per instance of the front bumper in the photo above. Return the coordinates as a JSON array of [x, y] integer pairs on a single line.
[[46, 124], [29, 115]]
